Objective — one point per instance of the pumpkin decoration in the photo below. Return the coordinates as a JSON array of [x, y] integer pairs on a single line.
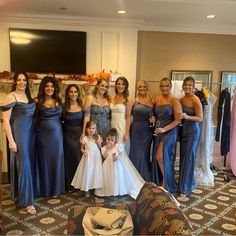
[[105, 75]]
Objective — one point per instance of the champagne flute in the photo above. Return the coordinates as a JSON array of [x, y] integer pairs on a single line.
[[158, 125]]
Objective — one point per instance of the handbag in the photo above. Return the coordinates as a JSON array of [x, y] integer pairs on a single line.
[[108, 218], [105, 221]]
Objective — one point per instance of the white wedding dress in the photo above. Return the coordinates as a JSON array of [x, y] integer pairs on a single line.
[[118, 121], [202, 171]]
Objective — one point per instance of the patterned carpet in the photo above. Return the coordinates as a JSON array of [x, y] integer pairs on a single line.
[[211, 211]]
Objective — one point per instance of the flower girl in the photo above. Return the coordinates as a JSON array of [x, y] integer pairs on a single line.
[[89, 172], [119, 175]]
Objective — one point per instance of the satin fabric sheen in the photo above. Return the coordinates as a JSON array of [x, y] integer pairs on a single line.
[[141, 139], [72, 130], [22, 162], [50, 154], [165, 115], [188, 151]]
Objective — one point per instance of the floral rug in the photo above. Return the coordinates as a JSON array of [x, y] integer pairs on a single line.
[[211, 211]]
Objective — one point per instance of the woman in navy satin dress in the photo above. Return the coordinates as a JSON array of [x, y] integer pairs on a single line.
[[167, 109], [18, 110], [97, 108], [49, 140], [140, 131], [189, 137], [72, 129]]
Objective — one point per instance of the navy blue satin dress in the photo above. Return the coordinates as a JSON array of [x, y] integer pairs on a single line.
[[141, 139], [165, 115], [189, 138], [102, 117], [22, 162], [72, 128], [50, 154]]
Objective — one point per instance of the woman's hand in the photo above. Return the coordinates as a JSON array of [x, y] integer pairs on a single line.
[[13, 146], [182, 116], [125, 138], [159, 130], [82, 137]]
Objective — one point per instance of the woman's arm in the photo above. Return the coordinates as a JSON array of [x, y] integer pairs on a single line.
[[177, 110], [6, 116], [198, 110], [128, 120]]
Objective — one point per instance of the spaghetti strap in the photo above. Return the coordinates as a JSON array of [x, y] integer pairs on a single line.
[[14, 96]]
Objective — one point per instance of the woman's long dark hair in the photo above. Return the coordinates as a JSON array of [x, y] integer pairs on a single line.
[[67, 99], [42, 96], [41, 93], [126, 83], [27, 89]]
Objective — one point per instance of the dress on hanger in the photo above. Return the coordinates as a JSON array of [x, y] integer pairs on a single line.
[[224, 129], [203, 173], [233, 135]]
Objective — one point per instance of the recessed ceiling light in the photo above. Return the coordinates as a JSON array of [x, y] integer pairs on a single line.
[[211, 16], [121, 12]]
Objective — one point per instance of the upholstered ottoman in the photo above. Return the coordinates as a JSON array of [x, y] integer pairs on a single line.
[[158, 214], [77, 212]]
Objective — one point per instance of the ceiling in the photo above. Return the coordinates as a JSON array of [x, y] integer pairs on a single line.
[[173, 15]]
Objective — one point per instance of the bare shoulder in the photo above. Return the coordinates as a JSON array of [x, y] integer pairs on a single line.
[[175, 100], [10, 98], [131, 101], [88, 101], [156, 99]]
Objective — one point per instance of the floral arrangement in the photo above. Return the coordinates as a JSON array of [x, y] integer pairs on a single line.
[[90, 78]]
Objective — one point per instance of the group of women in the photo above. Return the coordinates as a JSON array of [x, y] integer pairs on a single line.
[[44, 134]]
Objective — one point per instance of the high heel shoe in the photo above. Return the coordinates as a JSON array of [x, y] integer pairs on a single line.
[[31, 210]]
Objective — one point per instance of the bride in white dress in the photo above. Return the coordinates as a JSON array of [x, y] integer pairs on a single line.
[[121, 111]]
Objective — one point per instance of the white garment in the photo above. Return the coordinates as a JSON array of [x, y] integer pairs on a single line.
[[118, 121], [120, 177], [202, 172], [89, 172]]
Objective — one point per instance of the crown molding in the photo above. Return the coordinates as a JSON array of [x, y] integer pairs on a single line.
[[58, 20]]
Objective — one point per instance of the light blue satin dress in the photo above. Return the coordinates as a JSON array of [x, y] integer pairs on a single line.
[[189, 139], [165, 115], [22, 162]]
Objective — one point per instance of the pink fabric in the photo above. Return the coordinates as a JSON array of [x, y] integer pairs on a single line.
[[233, 135]]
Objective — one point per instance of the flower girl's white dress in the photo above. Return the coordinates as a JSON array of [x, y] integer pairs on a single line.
[[89, 172], [120, 177]]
